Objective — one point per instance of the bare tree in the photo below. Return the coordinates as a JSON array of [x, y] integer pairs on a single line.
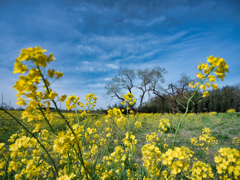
[[184, 79], [156, 87], [122, 81], [149, 79], [126, 80], [179, 90], [174, 92]]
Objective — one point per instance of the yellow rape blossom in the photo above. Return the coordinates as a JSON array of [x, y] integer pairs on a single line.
[[211, 78], [201, 170], [51, 73], [214, 86], [58, 74], [205, 94], [19, 67], [196, 85], [191, 85], [200, 76], [138, 124], [227, 162], [231, 111], [62, 98], [203, 87]]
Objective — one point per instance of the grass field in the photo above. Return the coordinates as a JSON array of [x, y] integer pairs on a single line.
[[110, 132]]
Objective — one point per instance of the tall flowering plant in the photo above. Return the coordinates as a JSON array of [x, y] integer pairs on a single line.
[[28, 87], [130, 101], [214, 68]]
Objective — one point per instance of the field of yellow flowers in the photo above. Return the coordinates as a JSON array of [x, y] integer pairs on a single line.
[[40, 144], [203, 133]]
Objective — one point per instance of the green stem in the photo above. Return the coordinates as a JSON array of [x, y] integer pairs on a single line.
[[83, 134], [69, 163], [181, 104], [128, 118], [79, 149], [150, 171], [182, 118], [46, 118], [77, 117], [80, 156], [189, 100]]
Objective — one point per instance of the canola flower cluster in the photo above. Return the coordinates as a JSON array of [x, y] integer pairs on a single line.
[[230, 111], [117, 116], [138, 124], [129, 142], [129, 99], [216, 65], [177, 160], [151, 156], [163, 125], [27, 86], [228, 163], [83, 152], [205, 140], [72, 102], [201, 170], [235, 141], [155, 140]]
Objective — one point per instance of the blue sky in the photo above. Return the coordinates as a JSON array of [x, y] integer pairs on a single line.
[[92, 39]]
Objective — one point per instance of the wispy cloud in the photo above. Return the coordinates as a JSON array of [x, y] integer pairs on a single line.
[[96, 66], [156, 21], [140, 22], [112, 66], [107, 79]]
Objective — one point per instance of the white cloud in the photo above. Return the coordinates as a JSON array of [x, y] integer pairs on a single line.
[[86, 62], [85, 48], [97, 85], [95, 66], [86, 66], [175, 36], [156, 21], [107, 79], [140, 22], [88, 7], [112, 66]]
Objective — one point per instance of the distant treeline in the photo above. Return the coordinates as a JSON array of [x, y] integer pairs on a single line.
[[52, 109], [219, 100]]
